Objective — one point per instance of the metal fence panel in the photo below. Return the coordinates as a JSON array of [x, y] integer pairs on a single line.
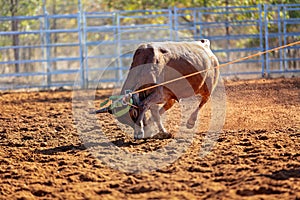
[[42, 59], [54, 48], [288, 30], [226, 28], [121, 32]]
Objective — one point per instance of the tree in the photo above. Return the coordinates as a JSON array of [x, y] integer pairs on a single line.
[[13, 8]]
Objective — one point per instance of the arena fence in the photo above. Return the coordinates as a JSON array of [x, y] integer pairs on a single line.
[[56, 50]]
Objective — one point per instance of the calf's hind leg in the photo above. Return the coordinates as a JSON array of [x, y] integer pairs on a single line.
[[156, 116], [167, 106], [156, 113], [191, 121]]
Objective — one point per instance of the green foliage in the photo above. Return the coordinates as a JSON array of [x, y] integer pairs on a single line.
[[155, 4], [19, 7], [34, 7]]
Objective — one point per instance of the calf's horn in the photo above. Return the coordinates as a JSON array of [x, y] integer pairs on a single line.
[[102, 110]]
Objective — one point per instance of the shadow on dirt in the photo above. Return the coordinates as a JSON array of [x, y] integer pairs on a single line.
[[259, 191], [42, 100], [284, 174], [123, 143], [79, 147], [52, 151]]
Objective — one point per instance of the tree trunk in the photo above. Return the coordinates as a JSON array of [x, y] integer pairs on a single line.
[[227, 31], [14, 27]]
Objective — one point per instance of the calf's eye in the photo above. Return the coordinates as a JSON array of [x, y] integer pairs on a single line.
[[134, 113]]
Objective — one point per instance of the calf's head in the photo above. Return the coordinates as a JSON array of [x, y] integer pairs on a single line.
[[125, 111]]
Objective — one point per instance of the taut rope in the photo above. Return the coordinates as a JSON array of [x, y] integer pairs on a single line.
[[218, 66], [129, 103]]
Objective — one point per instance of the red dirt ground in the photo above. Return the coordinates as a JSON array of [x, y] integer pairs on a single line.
[[256, 157]]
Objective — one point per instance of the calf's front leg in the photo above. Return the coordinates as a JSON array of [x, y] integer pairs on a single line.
[[139, 132], [152, 99]]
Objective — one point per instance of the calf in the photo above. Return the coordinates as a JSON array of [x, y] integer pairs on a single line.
[[158, 62]]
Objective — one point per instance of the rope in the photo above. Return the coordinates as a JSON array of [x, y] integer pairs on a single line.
[[113, 98], [218, 66]]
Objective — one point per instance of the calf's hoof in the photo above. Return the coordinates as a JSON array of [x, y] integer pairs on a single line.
[[190, 124], [139, 135], [148, 132]]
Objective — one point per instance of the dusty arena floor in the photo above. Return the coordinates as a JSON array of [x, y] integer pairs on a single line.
[[257, 156]]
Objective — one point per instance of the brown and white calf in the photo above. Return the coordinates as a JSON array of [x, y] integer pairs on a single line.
[[157, 62]]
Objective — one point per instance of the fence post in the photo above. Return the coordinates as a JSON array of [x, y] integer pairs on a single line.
[[279, 35], [200, 17], [85, 48], [83, 81], [195, 24], [284, 39], [170, 23], [261, 40], [42, 37], [81, 56], [227, 26], [176, 23], [119, 74], [48, 50], [266, 39]]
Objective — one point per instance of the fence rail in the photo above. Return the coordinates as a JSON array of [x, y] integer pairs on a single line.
[[53, 49]]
